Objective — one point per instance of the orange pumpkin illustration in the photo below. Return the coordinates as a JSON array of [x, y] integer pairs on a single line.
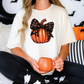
[[79, 32], [45, 64], [41, 33]]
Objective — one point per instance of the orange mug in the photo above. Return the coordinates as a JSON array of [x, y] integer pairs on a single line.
[[45, 64]]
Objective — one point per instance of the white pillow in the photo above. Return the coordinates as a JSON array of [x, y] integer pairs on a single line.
[[4, 35]]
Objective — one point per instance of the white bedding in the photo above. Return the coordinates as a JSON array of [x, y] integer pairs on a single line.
[[4, 34], [4, 80]]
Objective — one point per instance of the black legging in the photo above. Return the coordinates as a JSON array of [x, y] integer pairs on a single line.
[[14, 68]]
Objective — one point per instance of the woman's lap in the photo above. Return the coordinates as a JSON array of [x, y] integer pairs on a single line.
[[14, 63]]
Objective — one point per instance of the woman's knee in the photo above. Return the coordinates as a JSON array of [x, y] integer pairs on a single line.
[[2, 53]]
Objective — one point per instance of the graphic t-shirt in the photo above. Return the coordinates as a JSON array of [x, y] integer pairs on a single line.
[[47, 30]]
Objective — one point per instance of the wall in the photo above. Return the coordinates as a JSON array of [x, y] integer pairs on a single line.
[[75, 10]]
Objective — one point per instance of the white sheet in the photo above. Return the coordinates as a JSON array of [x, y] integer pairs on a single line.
[[4, 80]]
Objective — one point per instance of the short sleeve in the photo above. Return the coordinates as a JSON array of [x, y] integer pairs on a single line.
[[68, 35], [14, 37]]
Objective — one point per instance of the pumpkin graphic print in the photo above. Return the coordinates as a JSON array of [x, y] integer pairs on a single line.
[[41, 33]]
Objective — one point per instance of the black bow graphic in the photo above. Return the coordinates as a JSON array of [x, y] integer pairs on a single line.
[[35, 26]]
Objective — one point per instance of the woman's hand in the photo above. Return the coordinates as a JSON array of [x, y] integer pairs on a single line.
[[59, 61], [35, 66], [58, 64]]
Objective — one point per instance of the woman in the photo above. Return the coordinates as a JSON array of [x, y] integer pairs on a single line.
[[28, 43]]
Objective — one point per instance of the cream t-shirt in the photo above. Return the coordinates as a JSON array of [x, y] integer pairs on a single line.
[[43, 40]]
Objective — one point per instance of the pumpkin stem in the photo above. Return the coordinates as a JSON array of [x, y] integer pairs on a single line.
[[43, 21]]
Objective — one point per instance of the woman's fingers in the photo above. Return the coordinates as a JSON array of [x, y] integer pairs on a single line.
[[59, 64], [36, 67], [37, 70], [59, 69], [55, 58]]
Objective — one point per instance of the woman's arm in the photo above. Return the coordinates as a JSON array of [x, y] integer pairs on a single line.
[[19, 52], [64, 51], [59, 61]]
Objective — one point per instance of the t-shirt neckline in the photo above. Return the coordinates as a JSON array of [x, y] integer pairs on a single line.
[[43, 10]]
